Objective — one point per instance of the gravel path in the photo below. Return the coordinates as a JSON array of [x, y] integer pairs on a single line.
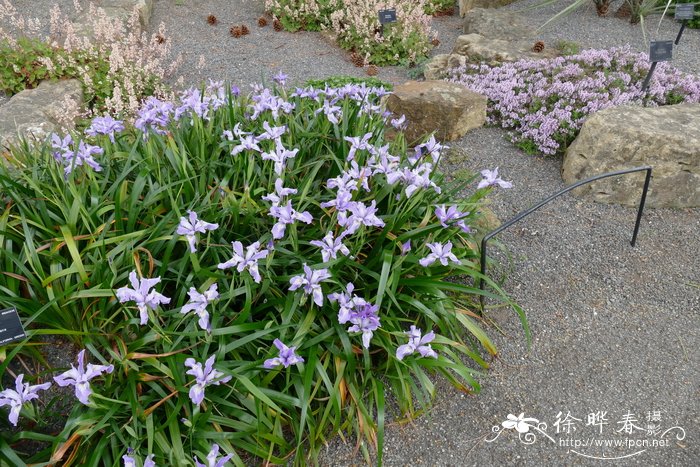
[[615, 328]]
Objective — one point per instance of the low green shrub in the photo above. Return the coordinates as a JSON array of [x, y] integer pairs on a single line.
[[276, 236], [340, 81]]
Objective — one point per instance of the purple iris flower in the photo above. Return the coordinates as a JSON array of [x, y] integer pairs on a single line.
[[211, 458], [415, 179], [287, 356], [273, 133], [80, 377], [439, 252], [204, 377], [280, 78], [131, 462], [248, 142], [265, 100], [343, 182], [279, 156], [308, 92], [347, 301], [82, 156], [142, 294], [399, 123], [105, 126], [189, 226], [287, 215], [280, 193], [361, 174], [154, 116], [446, 215], [382, 161], [405, 248], [331, 246], [198, 304], [491, 178], [332, 112], [247, 260], [365, 320], [16, 398], [61, 146], [192, 102], [215, 93], [311, 282], [342, 202], [357, 143], [430, 147], [417, 343], [359, 215]]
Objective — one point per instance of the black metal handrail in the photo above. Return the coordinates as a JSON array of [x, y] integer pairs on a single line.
[[534, 208]]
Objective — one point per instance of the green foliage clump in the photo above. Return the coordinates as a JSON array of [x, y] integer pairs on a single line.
[[693, 23], [69, 239], [432, 7], [341, 80], [567, 47]]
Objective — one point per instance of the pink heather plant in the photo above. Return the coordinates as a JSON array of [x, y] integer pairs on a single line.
[[138, 65], [545, 102], [356, 26]]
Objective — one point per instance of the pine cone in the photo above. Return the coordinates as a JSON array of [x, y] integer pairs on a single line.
[[277, 25], [538, 47], [373, 70], [211, 19], [262, 21], [602, 7], [236, 31], [244, 30], [160, 39], [357, 59], [435, 42]]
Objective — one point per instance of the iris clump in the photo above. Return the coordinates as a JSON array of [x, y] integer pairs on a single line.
[[305, 244], [545, 102]]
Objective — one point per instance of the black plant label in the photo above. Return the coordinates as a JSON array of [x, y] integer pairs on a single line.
[[685, 11], [660, 51], [11, 328], [387, 16]]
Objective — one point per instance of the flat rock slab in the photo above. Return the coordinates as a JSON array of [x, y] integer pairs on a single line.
[[467, 5], [448, 109], [497, 24], [666, 138], [32, 113]]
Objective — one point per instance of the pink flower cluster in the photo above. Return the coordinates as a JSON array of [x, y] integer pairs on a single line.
[[545, 102]]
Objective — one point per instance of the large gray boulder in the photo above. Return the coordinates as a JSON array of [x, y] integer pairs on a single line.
[[466, 5], [666, 138], [492, 37], [497, 24], [448, 109], [35, 113]]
